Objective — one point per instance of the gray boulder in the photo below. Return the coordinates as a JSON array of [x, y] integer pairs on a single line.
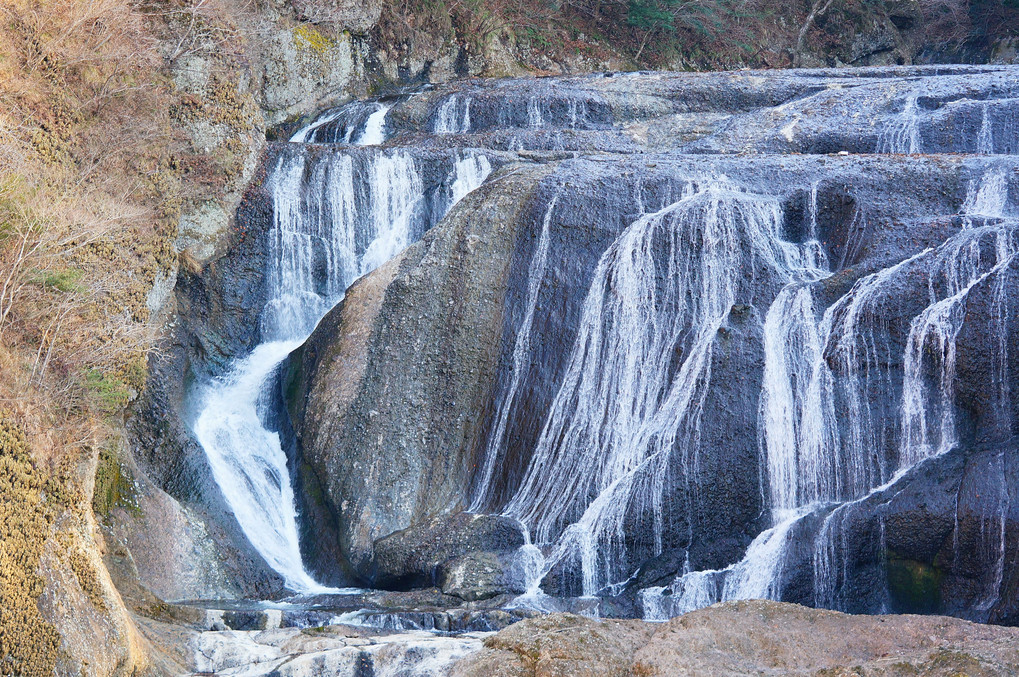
[[483, 575], [435, 549]]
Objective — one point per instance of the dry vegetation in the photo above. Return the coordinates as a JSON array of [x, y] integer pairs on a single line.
[[88, 202], [87, 208], [28, 645], [703, 34]]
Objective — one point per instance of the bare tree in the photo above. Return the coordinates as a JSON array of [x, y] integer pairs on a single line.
[[817, 10]]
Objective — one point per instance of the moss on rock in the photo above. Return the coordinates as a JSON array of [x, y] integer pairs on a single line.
[[113, 484], [29, 646], [915, 587], [308, 38]]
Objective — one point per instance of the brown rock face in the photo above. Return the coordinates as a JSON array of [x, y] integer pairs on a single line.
[[390, 397], [559, 645], [748, 638]]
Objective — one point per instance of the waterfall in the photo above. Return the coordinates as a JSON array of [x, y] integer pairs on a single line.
[[928, 408], [335, 218], [985, 138], [821, 439], [540, 114], [374, 132], [902, 134], [993, 537], [469, 172], [520, 365], [927, 413], [535, 119], [987, 196], [249, 464], [811, 366], [756, 576], [358, 122], [638, 374], [453, 116], [796, 422]]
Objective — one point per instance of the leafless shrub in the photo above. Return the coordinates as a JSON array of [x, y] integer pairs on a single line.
[[946, 21]]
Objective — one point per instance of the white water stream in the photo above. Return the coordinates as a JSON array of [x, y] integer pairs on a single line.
[[818, 455], [323, 238]]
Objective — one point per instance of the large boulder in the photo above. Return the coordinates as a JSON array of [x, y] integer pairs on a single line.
[[389, 394], [413, 557]]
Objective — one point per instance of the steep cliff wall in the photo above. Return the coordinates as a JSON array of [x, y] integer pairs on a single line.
[[746, 365]]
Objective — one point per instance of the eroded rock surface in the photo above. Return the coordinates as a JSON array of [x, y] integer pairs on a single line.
[[545, 351], [741, 638]]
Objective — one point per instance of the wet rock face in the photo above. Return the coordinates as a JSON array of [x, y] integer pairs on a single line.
[[652, 359], [391, 433], [934, 545]]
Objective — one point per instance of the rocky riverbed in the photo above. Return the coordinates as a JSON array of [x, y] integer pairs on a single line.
[[729, 639]]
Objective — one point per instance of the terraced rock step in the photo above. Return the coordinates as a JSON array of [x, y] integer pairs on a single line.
[[733, 638], [334, 650]]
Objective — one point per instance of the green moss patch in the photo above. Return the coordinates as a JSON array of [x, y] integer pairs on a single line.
[[915, 587], [107, 393], [310, 39], [114, 486]]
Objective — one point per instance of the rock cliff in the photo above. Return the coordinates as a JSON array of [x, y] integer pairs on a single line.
[[477, 371]]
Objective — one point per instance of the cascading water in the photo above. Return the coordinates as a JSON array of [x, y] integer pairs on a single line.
[[985, 139], [334, 220], [520, 366], [361, 123], [625, 406], [842, 411], [790, 345], [816, 457], [625, 410], [902, 134], [454, 116]]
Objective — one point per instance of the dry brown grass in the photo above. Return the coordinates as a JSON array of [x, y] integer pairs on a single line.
[[28, 645], [87, 206], [88, 201]]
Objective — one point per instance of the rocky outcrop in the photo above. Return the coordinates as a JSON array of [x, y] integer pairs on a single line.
[[739, 638], [413, 557], [391, 433], [934, 544], [441, 375]]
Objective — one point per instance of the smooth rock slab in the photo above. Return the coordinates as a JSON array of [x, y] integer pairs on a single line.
[[753, 637]]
